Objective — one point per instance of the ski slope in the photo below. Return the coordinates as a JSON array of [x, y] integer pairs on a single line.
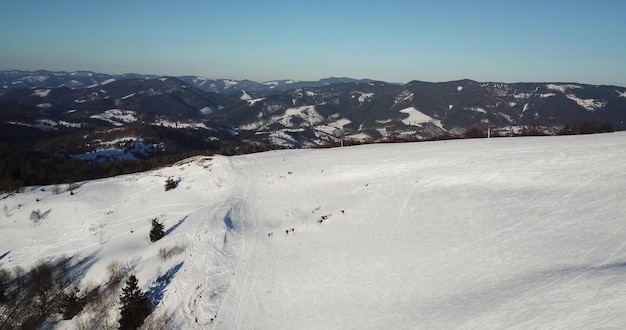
[[512, 233]]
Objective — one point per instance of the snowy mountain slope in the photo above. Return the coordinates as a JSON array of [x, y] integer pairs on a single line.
[[424, 110], [486, 233], [272, 113]]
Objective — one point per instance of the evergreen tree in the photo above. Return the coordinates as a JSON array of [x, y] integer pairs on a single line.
[[157, 231], [170, 184], [135, 305]]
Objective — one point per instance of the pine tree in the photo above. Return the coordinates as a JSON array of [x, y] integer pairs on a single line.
[[135, 305], [157, 231], [170, 184]]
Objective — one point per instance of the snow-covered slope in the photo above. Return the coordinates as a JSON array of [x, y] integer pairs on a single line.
[[487, 233]]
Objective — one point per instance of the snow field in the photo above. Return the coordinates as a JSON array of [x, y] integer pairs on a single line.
[[487, 233]]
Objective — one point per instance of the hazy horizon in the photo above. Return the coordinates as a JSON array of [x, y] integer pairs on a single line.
[[573, 41]]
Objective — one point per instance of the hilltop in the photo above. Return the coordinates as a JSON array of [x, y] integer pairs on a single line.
[[489, 233]]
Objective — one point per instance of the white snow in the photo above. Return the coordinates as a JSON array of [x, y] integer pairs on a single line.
[[589, 104], [340, 123], [333, 127], [41, 92], [364, 96], [254, 101], [245, 96], [200, 81], [228, 83], [459, 88], [522, 95], [10, 122], [477, 109], [178, 124], [621, 93], [118, 141], [546, 95], [282, 138], [46, 124], [206, 110], [253, 126], [508, 233], [562, 88], [43, 105], [36, 78], [69, 124], [359, 137], [505, 116], [404, 96], [307, 113], [108, 81], [116, 116], [128, 96], [417, 117]]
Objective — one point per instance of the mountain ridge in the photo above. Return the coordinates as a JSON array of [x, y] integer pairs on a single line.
[[17, 79], [167, 117]]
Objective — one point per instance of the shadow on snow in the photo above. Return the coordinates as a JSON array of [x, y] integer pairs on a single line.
[[176, 225], [158, 287], [5, 254]]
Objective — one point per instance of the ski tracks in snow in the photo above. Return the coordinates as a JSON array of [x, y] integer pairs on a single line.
[[237, 210], [405, 203]]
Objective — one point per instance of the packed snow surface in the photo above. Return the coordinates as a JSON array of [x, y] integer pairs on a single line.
[[506, 233]]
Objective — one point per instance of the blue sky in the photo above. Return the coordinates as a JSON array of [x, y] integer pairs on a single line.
[[398, 41]]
